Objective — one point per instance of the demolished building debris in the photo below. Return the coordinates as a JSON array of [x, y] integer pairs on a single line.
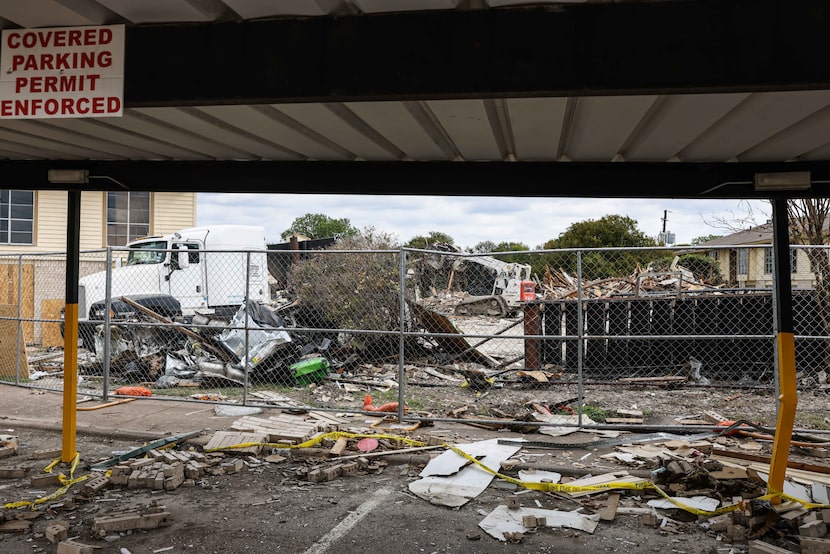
[[711, 482]]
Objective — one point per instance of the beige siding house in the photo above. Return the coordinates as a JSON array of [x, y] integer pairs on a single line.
[[33, 226], [745, 259], [168, 212]]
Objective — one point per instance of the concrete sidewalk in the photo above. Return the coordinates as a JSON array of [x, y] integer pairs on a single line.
[[149, 419], [138, 419]]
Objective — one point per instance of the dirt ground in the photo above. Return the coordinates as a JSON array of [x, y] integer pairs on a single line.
[[265, 508], [268, 506]]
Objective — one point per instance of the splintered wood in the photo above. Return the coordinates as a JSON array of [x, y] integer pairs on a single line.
[[644, 281], [280, 428], [294, 406]]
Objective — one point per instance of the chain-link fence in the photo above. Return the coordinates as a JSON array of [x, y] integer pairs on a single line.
[[439, 329]]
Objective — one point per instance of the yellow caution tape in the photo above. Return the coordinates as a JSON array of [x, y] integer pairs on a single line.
[[538, 486], [640, 485], [66, 484], [334, 435]]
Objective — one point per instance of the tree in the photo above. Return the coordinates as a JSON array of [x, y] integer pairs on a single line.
[[353, 290], [808, 219], [484, 246], [511, 247], [607, 232], [514, 258], [429, 241], [705, 238], [319, 226]]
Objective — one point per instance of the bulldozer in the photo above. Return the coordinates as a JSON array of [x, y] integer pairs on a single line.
[[511, 284]]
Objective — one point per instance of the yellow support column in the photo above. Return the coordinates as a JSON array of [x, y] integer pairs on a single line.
[[787, 393], [70, 382], [70, 323], [787, 402]]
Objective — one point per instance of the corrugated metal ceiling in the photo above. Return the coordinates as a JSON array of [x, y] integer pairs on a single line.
[[769, 126]]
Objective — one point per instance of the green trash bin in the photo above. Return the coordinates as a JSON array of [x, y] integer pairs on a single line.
[[312, 370]]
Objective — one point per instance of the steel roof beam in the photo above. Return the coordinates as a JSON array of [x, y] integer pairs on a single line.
[[563, 50]]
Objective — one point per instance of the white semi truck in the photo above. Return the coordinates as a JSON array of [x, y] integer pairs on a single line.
[[195, 270]]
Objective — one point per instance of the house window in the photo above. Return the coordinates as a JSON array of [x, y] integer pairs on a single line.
[[128, 216], [769, 263], [17, 217], [713, 254], [743, 254]]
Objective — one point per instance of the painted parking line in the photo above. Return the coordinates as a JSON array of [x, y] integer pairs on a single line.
[[347, 524]]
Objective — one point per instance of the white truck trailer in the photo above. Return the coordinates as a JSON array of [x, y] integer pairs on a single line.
[[195, 270]]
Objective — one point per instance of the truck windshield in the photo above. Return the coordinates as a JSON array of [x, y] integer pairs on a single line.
[[147, 253]]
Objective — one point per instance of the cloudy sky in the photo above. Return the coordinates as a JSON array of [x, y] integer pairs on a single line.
[[471, 220]]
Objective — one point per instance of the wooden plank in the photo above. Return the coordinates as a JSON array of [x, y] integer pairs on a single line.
[[610, 511], [328, 418], [457, 345], [223, 439], [339, 446], [804, 477], [605, 478], [283, 427], [15, 526], [805, 466]]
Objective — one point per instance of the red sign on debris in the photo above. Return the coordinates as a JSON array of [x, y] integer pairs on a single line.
[[62, 72]]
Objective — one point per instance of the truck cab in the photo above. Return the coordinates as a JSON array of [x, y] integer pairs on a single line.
[[208, 270]]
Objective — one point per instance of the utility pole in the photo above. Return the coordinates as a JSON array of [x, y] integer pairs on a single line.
[[663, 236]]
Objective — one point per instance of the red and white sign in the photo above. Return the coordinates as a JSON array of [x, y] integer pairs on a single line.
[[62, 72]]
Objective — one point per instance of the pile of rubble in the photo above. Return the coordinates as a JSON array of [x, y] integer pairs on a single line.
[[558, 284], [713, 482]]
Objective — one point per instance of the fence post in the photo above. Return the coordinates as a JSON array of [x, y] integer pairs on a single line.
[[107, 322], [245, 371], [401, 337], [19, 318], [579, 336]]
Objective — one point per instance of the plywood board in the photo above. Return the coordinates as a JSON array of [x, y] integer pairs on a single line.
[[51, 332], [12, 294], [10, 347]]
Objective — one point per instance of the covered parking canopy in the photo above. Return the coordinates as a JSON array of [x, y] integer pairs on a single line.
[[694, 96], [672, 98]]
